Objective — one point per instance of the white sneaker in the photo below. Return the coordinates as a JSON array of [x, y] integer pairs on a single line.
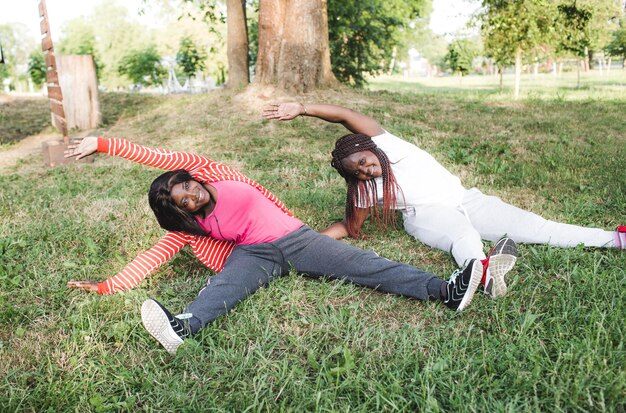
[[500, 261], [162, 325]]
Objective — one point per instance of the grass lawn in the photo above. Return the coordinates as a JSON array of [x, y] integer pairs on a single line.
[[22, 117], [554, 343]]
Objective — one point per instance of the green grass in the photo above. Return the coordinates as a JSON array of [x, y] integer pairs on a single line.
[[29, 116], [543, 86], [555, 343], [22, 118]]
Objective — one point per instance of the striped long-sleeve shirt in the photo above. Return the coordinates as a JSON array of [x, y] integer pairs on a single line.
[[210, 252]]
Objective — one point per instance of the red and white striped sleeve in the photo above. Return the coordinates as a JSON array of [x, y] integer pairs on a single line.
[[159, 158], [144, 264]]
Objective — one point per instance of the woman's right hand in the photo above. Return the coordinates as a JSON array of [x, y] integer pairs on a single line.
[[283, 111], [90, 286], [82, 147]]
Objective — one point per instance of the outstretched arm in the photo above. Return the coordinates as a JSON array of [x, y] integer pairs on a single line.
[[160, 158], [354, 121], [339, 230], [142, 266]]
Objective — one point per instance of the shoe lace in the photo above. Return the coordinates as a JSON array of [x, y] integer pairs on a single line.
[[455, 275]]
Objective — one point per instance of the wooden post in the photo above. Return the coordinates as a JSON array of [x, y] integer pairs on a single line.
[[52, 77], [53, 151], [77, 78]]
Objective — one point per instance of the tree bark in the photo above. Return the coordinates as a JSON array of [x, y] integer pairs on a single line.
[[518, 71], [392, 64], [237, 44], [293, 45], [77, 78]]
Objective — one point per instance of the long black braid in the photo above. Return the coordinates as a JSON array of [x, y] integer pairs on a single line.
[[363, 192]]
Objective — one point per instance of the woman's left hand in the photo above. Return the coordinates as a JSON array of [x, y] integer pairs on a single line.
[[91, 286], [82, 147], [283, 111]]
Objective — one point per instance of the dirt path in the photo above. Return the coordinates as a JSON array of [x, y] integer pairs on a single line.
[[26, 147]]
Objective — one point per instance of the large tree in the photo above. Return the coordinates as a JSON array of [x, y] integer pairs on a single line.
[[460, 56], [116, 35], [237, 42], [79, 38], [585, 26], [189, 58], [365, 35], [617, 45], [604, 21], [293, 45], [512, 28], [16, 46]]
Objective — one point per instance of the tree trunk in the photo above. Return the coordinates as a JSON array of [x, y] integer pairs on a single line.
[[392, 64], [293, 45], [77, 78], [501, 70], [518, 71], [237, 43], [608, 64]]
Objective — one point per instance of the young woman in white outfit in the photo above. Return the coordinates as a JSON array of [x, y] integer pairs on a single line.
[[384, 172]]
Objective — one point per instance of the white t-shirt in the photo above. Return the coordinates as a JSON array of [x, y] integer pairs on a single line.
[[421, 178]]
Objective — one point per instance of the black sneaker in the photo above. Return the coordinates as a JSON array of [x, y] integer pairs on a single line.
[[463, 284], [501, 260], [163, 326]]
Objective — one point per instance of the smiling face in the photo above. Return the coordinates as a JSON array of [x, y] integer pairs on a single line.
[[190, 196], [362, 165]]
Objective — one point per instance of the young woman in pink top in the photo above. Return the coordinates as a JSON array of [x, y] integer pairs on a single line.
[[238, 228]]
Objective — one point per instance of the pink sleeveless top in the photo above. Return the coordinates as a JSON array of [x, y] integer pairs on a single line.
[[244, 216]]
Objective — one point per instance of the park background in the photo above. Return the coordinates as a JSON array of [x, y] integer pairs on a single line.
[[527, 102]]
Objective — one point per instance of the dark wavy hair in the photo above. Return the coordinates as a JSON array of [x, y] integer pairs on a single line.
[[363, 192], [168, 214]]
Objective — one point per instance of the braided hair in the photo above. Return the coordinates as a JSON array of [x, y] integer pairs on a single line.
[[363, 192], [168, 214]]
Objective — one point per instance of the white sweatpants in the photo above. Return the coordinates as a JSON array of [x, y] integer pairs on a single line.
[[459, 230]]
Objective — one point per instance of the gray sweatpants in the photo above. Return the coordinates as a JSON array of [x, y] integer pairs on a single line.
[[250, 267]]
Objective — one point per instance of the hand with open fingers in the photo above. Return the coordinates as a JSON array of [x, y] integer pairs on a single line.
[[90, 286], [81, 148], [283, 111]]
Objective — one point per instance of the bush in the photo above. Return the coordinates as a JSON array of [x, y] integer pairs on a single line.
[[143, 67], [37, 68]]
